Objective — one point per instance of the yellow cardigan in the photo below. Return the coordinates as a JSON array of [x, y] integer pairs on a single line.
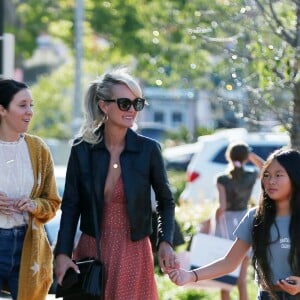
[[36, 270]]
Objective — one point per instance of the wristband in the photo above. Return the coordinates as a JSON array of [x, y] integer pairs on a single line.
[[195, 275]]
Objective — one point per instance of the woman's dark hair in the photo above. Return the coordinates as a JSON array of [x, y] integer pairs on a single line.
[[265, 216], [237, 152], [8, 88]]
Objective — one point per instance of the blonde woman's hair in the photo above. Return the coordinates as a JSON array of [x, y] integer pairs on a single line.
[[91, 130]]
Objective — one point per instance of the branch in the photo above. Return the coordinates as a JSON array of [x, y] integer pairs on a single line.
[[284, 33], [275, 110], [230, 39]]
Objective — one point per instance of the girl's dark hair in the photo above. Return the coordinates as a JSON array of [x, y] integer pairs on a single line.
[[8, 88], [265, 216]]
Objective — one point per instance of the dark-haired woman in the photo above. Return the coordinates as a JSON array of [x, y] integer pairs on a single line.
[[234, 190], [28, 198]]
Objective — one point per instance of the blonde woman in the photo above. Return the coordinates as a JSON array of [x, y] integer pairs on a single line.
[[122, 166]]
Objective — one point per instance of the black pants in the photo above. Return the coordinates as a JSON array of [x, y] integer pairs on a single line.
[[262, 295]]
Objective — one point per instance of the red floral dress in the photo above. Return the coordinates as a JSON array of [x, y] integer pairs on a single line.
[[129, 266]]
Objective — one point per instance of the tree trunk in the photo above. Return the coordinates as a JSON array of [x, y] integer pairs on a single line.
[[295, 130]]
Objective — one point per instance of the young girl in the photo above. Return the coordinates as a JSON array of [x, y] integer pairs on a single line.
[[272, 229]]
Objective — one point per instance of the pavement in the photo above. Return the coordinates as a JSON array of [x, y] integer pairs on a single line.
[[49, 297]]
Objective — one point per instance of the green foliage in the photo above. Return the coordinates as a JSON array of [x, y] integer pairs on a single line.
[[53, 104], [169, 291], [204, 131], [181, 135], [177, 182]]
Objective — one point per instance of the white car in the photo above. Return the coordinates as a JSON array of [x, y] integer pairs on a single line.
[[60, 177], [210, 161], [178, 157]]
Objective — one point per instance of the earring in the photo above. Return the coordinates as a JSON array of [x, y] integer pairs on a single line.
[[105, 118]]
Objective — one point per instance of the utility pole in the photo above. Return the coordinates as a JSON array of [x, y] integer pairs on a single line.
[[79, 13], [1, 34], [7, 48]]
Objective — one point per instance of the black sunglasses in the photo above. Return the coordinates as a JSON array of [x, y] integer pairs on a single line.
[[124, 104]]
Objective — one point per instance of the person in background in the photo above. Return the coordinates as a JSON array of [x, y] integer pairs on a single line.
[[28, 198], [124, 167], [234, 190], [271, 228]]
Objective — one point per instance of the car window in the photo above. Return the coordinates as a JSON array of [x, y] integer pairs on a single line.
[[154, 133], [220, 156], [262, 150]]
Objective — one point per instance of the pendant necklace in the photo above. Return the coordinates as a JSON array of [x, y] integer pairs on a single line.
[[115, 166]]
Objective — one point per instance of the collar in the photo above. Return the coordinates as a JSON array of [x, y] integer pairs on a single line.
[[132, 142]]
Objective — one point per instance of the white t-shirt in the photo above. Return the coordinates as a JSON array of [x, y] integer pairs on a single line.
[[16, 178]]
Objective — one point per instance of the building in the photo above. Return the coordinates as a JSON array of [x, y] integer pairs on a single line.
[[174, 108]]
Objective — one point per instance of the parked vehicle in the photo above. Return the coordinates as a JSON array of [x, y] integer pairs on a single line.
[[52, 226], [152, 130], [60, 175], [178, 157], [210, 160]]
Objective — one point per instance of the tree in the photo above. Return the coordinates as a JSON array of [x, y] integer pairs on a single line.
[[283, 19], [226, 46], [263, 61]]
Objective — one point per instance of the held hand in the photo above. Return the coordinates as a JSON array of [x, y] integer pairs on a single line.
[[62, 264], [166, 257], [291, 285], [181, 276]]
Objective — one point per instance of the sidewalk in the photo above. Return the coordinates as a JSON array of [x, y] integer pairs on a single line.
[[49, 297]]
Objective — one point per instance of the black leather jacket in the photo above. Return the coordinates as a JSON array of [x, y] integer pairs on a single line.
[[142, 167]]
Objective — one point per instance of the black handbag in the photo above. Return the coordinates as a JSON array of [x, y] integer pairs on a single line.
[[89, 283]]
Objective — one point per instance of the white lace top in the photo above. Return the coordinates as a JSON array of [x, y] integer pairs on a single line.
[[16, 178]]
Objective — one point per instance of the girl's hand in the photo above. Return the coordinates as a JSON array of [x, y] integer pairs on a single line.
[[291, 284], [181, 276]]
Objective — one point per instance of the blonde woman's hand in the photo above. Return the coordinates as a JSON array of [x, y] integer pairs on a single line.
[[167, 258], [62, 264]]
